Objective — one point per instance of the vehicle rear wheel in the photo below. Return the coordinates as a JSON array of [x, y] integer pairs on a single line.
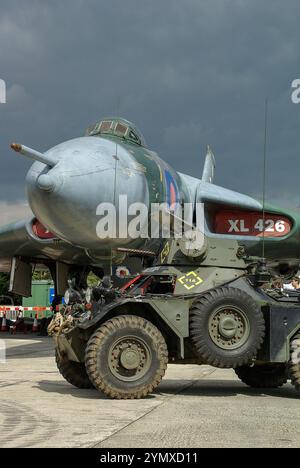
[[295, 362], [227, 327], [73, 372], [126, 357], [266, 376]]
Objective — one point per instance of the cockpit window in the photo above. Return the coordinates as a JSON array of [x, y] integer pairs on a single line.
[[117, 127], [105, 126], [121, 129], [93, 130], [132, 136]]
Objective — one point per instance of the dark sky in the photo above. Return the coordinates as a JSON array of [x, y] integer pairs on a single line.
[[187, 73]]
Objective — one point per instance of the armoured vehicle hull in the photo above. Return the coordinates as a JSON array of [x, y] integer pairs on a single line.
[[223, 315]]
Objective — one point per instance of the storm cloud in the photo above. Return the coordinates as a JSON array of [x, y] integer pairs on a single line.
[[187, 73]]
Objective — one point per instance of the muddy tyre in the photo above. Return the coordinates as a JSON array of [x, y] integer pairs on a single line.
[[227, 327], [126, 357], [295, 363], [73, 372], [266, 376]]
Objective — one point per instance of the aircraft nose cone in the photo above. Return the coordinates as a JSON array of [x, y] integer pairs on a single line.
[[66, 198]]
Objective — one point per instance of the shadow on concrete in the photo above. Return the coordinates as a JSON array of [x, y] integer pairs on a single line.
[[227, 388], [201, 388], [64, 388]]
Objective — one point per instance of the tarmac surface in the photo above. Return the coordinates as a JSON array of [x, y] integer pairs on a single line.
[[193, 407]]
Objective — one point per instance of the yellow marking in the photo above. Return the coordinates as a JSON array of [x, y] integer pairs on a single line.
[[190, 280]]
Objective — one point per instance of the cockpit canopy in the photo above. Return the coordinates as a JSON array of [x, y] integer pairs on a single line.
[[117, 127]]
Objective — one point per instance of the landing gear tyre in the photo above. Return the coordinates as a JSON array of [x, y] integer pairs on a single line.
[[73, 372], [227, 328], [126, 357], [266, 376], [295, 362]]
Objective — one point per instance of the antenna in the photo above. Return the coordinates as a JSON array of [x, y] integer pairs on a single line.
[[264, 175], [262, 275], [116, 158]]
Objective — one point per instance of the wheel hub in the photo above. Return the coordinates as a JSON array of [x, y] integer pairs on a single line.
[[229, 327], [129, 358]]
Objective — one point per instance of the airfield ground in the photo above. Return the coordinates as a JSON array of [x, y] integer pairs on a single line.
[[193, 407]]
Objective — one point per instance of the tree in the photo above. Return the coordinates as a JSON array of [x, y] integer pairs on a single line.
[[4, 287]]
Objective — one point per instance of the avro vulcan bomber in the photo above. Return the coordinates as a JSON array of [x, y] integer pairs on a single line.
[[67, 184]]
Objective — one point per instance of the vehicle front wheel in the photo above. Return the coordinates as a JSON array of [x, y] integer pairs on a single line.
[[126, 357]]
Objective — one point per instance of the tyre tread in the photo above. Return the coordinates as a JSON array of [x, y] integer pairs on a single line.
[[73, 372], [198, 338], [98, 339]]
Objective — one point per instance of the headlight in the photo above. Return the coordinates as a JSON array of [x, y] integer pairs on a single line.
[[72, 297], [88, 295], [67, 297]]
